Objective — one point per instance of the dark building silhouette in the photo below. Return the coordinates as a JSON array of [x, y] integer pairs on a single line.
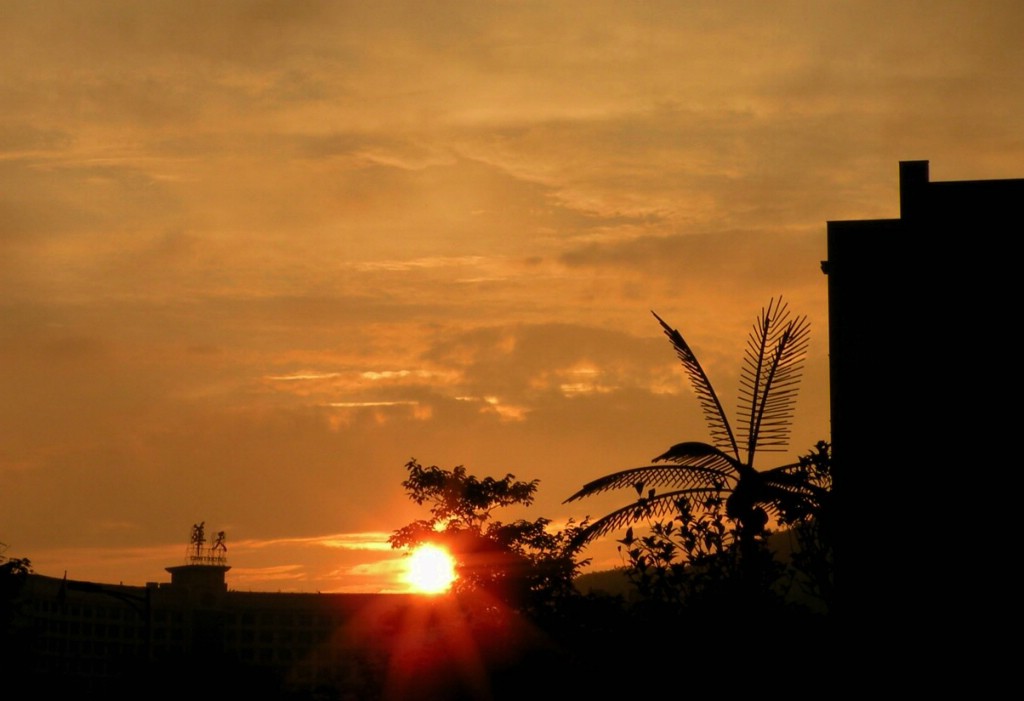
[[194, 632], [916, 321], [195, 638]]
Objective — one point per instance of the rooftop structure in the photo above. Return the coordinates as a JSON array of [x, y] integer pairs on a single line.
[[916, 308]]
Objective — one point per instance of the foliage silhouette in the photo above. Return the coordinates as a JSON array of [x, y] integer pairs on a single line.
[[810, 524], [701, 473], [524, 564], [13, 574], [686, 565], [687, 561]]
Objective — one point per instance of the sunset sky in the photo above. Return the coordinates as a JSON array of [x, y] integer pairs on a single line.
[[256, 256]]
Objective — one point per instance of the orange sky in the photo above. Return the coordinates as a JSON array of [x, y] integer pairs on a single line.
[[255, 256]]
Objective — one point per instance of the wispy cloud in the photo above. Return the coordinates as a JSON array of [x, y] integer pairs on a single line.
[[248, 575], [358, 405], [301, 376], [343, 541], [421, 263], [358, 541]]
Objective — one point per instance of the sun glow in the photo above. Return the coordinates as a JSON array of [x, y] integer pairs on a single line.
[[430, 570]]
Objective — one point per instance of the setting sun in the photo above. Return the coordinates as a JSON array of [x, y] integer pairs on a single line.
[[430, 570]]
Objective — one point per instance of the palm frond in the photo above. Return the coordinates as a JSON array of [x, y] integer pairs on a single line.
[[773, 363], [644, 509], [772, 367], [783, 492], [717, 475], [718, 424], [791, 489], [696, 453]]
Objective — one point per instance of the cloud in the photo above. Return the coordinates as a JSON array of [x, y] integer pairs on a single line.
[[253, 257], [358, 541], [764, 258], [241, 576], [343, 541], [300, 377], [356, 405]]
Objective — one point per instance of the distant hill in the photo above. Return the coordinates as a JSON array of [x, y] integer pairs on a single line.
[[611, 582]]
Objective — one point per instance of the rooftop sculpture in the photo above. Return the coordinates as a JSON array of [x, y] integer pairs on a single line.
[[199, 554]]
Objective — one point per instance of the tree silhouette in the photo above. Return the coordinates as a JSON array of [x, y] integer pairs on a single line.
[[700, 473], [526, 564]]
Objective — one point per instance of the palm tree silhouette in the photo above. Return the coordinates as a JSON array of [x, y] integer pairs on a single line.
[[772, 367]]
